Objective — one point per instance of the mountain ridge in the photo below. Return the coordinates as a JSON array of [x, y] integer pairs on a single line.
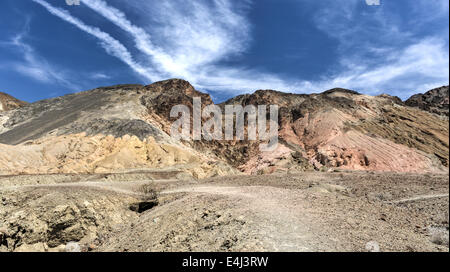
[[435, 101], [8, 102], [336, 129]]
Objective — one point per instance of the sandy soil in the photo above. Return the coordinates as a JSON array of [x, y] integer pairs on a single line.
[[309, 211]]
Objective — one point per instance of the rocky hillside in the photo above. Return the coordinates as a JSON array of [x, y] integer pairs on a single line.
[[343, 129], [8, 102], [435, 101], [127, 128], [111, 129]]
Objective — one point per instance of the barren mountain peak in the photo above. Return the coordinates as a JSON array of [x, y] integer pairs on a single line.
[[122, 86], [7, 102], [171, 84], [395, 99], [268, 91], [435, 101], [340, 90], [337, 129]]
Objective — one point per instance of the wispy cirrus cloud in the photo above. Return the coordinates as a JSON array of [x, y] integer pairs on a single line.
[[192, 35], [380, 51], [142, 39], [35, 66], [420, 66], [99, 76], [192, 39], [111, 45]]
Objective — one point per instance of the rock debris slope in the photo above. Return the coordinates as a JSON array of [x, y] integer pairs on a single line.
[[435, 101], [127, 127]]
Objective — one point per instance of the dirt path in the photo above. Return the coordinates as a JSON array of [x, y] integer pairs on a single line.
[[419, 198], [282, 223], [305, 212], [128, 188]]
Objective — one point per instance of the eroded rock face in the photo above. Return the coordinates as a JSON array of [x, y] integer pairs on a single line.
[[78, 153], [108, 129], [343, 129], [435, 101], [53, 217]]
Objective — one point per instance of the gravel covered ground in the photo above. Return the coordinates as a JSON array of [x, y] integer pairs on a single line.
[[309, 211]]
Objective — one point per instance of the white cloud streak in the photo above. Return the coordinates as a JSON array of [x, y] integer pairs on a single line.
[[111, 45], [400, 63], [194, 41], [36, 67], [99, 76], [142, 39], [426, 61], [190, 39]]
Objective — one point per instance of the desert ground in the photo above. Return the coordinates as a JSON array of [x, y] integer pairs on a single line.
[[165, 210], [99, 170]]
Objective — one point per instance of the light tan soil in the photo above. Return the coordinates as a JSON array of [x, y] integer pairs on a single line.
[[309, 211]]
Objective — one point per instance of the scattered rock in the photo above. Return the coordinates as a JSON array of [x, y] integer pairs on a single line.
[[373, 246], [73, 247], [439, 235]]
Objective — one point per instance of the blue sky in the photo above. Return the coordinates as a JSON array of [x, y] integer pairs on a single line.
[[224, 47]]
